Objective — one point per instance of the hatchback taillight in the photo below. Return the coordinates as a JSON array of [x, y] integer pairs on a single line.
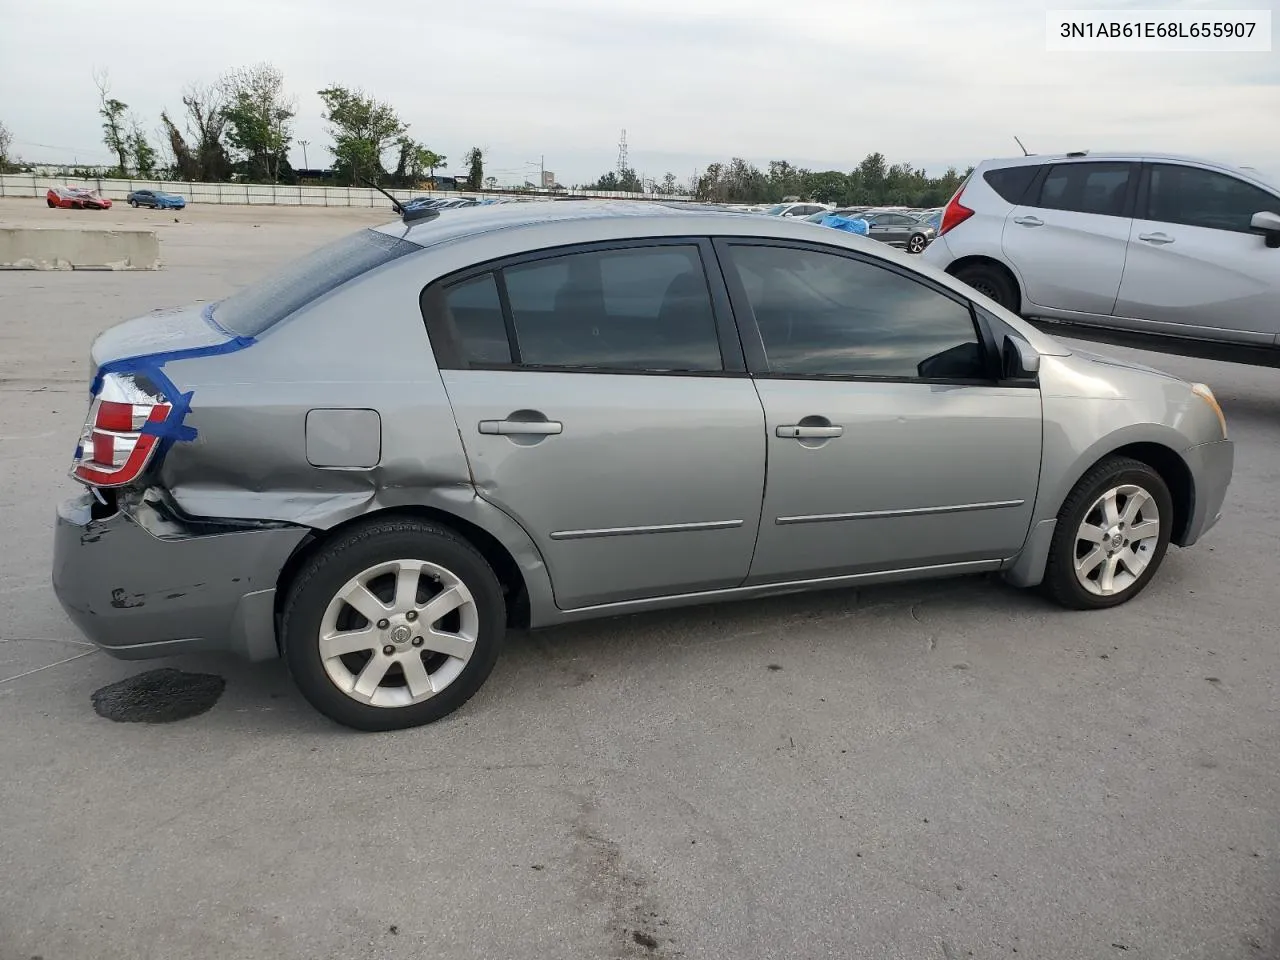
[[116, 444], [955, 213]]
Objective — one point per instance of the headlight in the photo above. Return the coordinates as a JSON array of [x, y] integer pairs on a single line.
[[1202, 391]]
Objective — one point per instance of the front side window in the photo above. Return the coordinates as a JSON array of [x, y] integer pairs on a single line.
[[1203, 198], [1086, 188], [827, 315], [635, 309]]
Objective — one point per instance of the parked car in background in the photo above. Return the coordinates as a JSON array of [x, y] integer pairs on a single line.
[[890, 226], [846, 212], [1167, 252], [800, 210], [156, 199], [925, 231], [76, 198], [532, 414]]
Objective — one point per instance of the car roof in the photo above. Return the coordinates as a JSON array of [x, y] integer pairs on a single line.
[[1250, 173], [457, 223]]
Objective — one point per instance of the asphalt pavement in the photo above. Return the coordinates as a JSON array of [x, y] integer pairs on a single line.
[[944, 770]]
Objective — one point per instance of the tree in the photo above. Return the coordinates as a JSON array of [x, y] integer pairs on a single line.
[[258, 119], [669, 184], [6, 143], [475, 168], [113, 113], [362, 129], [205, 156], [144, 155], [185, 166]]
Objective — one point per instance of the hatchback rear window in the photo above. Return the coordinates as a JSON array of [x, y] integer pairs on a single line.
[[1011, 182], [260, 306]]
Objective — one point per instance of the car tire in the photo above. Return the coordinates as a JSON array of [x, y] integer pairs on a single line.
[[1094, 560], [992, 282], [916, 243], [50, 203], [364, 682], [134, 204]]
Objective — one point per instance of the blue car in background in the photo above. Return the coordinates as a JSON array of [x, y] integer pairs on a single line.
[[156, 200]]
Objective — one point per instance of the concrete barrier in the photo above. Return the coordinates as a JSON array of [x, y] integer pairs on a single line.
[[39, 248]]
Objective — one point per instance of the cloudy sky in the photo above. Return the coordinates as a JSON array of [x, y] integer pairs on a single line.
[[818, 82]]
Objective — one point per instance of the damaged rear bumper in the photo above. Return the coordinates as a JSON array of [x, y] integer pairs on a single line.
[[141, 582]]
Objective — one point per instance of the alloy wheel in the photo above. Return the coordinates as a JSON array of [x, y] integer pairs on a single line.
[[398, 633], [1116, 540]]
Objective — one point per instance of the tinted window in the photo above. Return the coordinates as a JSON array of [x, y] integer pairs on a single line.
[[1012, 182], [475, 311], [636, 309], [262, 305], [1086, 188], [1202, 198], [827, 315]]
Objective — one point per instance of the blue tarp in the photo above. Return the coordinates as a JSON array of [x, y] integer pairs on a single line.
[[858, 226]]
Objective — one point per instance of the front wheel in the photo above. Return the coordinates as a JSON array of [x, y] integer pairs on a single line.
[[1112, 533], [392, 625], [134, 204], [50, 203]]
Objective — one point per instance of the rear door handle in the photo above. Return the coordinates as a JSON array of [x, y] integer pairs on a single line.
[[1029, 221], [794, 431], [1156, 238], [508, 428]]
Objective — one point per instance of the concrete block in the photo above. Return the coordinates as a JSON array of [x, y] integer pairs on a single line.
[[43, 248]]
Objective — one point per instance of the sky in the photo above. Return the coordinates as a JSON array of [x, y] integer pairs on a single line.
[[820, 83]]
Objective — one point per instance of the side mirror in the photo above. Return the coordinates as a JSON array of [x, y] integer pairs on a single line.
[[1267, 224], [1021, 362]]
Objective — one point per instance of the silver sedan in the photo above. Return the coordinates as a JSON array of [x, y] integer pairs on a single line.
[[375, 462]]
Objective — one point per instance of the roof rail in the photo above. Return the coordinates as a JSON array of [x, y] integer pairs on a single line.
[[1078, 153]]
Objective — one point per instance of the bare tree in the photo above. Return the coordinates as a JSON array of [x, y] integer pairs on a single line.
[[206, 125], [113, 112]]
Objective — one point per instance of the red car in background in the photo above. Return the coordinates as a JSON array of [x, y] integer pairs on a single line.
[[77, 198]]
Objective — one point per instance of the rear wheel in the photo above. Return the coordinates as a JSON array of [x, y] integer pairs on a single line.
[[1112, 533], [394, 624], [992, 282], [917, 242]]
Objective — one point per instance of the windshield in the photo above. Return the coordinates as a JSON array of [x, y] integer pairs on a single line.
[[256, 308]]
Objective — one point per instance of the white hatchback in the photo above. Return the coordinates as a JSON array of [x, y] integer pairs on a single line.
[[1172, 253]]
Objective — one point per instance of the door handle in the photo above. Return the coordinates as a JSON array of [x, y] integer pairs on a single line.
[[508, 428], [794, 431], [1156, 238], [1028, 221]]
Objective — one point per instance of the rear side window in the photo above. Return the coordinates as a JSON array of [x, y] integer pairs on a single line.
[[635, 309], [1099, 188], [260, 306], [1011, 183], [1203, 198]]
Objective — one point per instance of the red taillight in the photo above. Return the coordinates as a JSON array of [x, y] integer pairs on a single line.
[[114, 449], [955, 214]]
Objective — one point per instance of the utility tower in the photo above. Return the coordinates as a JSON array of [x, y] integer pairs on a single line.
[[622, 153]]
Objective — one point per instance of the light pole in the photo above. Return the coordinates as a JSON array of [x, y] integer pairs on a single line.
[[304, 144]]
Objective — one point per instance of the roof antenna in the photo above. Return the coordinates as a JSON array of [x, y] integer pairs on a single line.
[[1025, 151], [409, 214]]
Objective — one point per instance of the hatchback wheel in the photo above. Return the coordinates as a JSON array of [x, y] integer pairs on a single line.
[[917, 243], [395, 624], [992, 282], [1111, 535]]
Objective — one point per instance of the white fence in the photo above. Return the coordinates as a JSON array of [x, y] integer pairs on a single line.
[[35, 185]]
